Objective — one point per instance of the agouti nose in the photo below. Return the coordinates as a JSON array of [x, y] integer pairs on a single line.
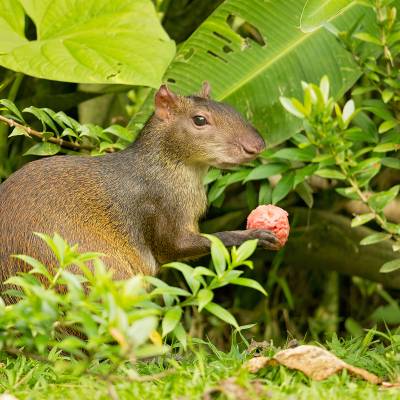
[[254, 147]]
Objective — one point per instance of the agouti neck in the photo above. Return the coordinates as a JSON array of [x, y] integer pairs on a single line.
[[161, 170], [157, 151]]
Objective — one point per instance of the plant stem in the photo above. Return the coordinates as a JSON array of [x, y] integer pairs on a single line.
[[353, 183], [12, 95], [63, 143]]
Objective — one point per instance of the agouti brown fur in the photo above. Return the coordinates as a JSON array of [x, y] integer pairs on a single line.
[[140, 206]]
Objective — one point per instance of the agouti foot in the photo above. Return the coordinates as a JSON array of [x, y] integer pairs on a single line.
[[266, 239]]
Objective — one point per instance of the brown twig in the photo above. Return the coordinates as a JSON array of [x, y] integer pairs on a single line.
[[61, 142]]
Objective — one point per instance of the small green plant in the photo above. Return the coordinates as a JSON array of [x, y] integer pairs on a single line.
[[353, 144], [61, 133], [83, 315], [202, 282], [338, 153], [91, 317]]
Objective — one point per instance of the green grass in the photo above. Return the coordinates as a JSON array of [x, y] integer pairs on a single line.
[[202, 370]]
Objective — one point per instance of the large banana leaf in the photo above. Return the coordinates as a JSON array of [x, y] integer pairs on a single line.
[[316, 12], [252, 76], [86, 41]]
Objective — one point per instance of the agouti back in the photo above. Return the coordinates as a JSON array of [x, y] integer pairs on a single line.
[[140, 206]]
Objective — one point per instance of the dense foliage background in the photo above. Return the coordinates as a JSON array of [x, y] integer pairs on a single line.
[[320, 82]]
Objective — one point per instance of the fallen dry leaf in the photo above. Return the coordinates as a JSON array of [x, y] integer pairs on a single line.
[[313, 361], [390, 385], [256, 363]]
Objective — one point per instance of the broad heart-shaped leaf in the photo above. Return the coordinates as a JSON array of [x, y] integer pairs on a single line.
[[251, 76], [91, 41]]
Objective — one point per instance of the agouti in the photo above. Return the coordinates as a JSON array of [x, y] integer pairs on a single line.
[[140, 206]]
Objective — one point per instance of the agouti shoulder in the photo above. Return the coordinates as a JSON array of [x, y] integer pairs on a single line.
[[140, 206]]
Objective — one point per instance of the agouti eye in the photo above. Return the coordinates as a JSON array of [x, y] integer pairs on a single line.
[[199, 120]]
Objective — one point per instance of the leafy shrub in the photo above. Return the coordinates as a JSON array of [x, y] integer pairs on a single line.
[[355, 143], [108, 319]]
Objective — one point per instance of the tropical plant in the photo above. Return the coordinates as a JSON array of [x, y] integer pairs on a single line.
[[253, 55], [95, 41], [353, 145]]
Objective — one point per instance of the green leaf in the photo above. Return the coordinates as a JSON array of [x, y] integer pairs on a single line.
[[388, 314], [348, 192], [387, 95], [303, 189], [391, 162], [219, 254], [348, 111], [12, 24], [37, 266], [245, 250], [188, 273], [317, 12], [43, 149], [251, 195], [362, 219], [379, 109], [8, 103], [379, 201], [265, 193], [184, 268], [265, 171], [390, 266], [212, 175], [42, 116], [121, 132], [330, 174], [284, 186], [251, 283], [170, 290], [306, 154], [62, 118], [221, 313], [219, 186], [303, 173], [18, 131], [171, 320], [199, 271], [71, 344], [246, 72], [384, 147], [375, 238], [87, 42], [367, 37], [180, 334], [359, 135], [204, 296], [288, 105], [69, 132]]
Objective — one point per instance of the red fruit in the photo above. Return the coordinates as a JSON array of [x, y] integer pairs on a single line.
[[270, 218]]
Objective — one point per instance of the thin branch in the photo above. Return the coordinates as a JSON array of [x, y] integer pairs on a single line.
[[61, 142]]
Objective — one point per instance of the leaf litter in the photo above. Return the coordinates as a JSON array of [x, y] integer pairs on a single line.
[[315, 362]]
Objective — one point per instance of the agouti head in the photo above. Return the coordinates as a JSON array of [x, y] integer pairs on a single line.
[[203, 131]]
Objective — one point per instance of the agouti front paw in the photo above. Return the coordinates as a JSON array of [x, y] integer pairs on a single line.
[[266, 239]]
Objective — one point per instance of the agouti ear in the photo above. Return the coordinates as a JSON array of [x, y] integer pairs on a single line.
[[165, 101], [205, 90]]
